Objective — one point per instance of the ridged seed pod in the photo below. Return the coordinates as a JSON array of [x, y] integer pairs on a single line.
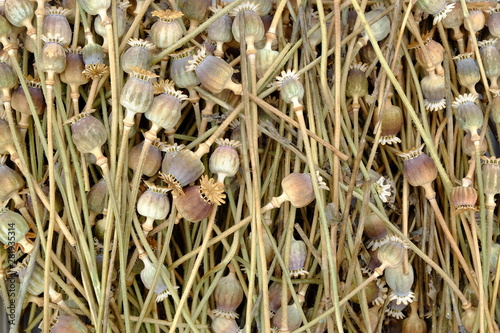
[[55, 22], [381, 27], [400, 284], [89, 134], [6, 139], [224, 325], [298, 189], [138, 55], [290, 87], [214, 73], [253, 26], [73, 73], [414, 324], [275, 292], [434, 90], [263, 60], [495, 106], [371, 293], [228, 295], [491, 175], [357, 83], [467, 71], [419, 169], [178, 73], [147, 276], [120, 23], [439, 9], [97, 199], [96, 7], [153, 204], [391, 118], [53, 57], [20, 13], [490, 55], [294, 319], [137, 94], [167, 30], [196, 11], [13, 229], [319, 327], [180, 167], [476, 18], [225, 161], [469, 317], [220, 31], [10, 181], [391, 253], [152, 163], [494, 21], [469, 148], [469, 115], [93, 54], [8, 78], [298, 254], [376, 230], [463, 198]]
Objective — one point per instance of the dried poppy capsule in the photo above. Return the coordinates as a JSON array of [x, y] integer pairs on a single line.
[[376, 230], [73, 74], [65, 324], [494, 21], [434, 90], [167, 30], [178, 73], [431, 56], [391, 118], [53, 57], [467, 71], [153, 158], [395, 310], [495, 105], [291, 89], [371, 292], [138, 55], [224, 325], [400, 284], [6, 140], [97, 7], [298, 254], [476, 18], [294, 319], [252, 24], [471, 295], [463, 198], [414, 324], [298, 189], [264, 59], [20, 13], [8, 79], [275, 292], [55, 22], [469, 115], [490, 56], [93, 54], [439, 9], [321, 326], [491, 177], [153, 204], [379, 28], [220, 31], [10, 182], [96, 199], [228, 295], [197, 202], [214, 73], [390, 254], [357, 84], [469, 317], [137, 94], [120, 23], [419, 169], [454, 21], [196, 11], [147, 277], [89, 135], [180, 167], [469, 148], [225, 161], [13, 230]]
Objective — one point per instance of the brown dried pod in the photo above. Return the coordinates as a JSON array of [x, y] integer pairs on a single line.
[[434, 90], [463, 198], [469, 317], [275, 292], [298, 254], [138, 55], [55, 22], [294, 319], [214, 73], [152, 163], [400, 283], [494, 21], [252, 24], [298, 189], [197, 202], [431, 57], [228, 295], [11, 182], [469, 148], [167, 30], [224, 325], [419, 169], [180, 167], [225, 161], [454, 20], [53, 57], [490, 56], [467, 71], [391, 118], [153, 204], [469, 115], [20, 103], [371, 292], [73, 73], [357, 83], [376, 230], [414, 324], [321, 326], [491, 175]]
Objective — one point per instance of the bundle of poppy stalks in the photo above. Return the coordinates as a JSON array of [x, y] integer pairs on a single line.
[[249, 166]]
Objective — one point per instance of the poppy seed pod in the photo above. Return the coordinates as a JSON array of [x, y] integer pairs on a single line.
[[180, 167], [491, 175], [294, 319], [476, 18], [357, 83], [414, 324], [376, 230], [178, 73], [298, 254], [8, 79], [196, 11], [10, 181], [454, 21], [96, 199], [290, 87], [224, 325], [264, 59], [97, 7], [138, 55], [321, 326], [371, 292], [390, 254], [419, 169], [137, 94], [228, 295], [379, 28], [13, 229], [120, 21], [400, 284], [153, 158], [395, 310], [467, 71], [391, 118], [469, 317], [167, 30], [214, 73], [298, 189], [275, 292], [252, 24], [6, 139], [93, 54], [153, 204], [490, 56], [431, 55], [494, 21], [147, 276], [20, 13], [88, 135], [463, 198], [65, 324], [439, 9], [53, 57], [495, 106], [197, 202], [225, 161], [220, 31], [55, 22], [469, 148], [73, 73], [434, 91], [469, 115]]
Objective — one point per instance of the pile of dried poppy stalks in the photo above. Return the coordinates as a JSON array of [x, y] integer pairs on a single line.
[[249, 166]]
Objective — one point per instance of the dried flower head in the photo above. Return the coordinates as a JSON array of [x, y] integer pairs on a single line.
[[197, 59], [167, 15], [142, 74], [96, 71], [136, 42], [211, 191]]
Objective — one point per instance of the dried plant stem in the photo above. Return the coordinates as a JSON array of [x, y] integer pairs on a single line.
[[113, 73]]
